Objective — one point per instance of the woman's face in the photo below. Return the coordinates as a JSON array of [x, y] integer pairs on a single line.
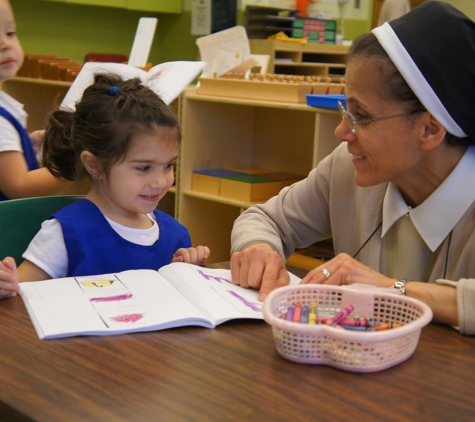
[[385, 150]]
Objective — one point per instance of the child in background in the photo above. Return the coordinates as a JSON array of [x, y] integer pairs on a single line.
[[125, 138], [20, 175]]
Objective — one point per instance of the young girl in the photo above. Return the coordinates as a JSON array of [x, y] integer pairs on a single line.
[[125, 138], [20, 175]]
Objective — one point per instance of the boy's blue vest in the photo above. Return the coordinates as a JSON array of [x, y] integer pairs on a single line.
[[94, 247], [26, 144]]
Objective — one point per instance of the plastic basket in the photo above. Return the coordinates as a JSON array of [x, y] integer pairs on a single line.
[[356, 351]]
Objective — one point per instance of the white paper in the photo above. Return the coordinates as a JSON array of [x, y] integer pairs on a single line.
[[142, 41], [201, 17], [168, 80], [233, 40]]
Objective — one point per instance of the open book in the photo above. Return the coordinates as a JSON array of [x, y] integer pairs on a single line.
[[139, 300], [168, 80]]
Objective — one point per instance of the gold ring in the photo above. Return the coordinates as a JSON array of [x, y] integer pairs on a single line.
[[326, 273]]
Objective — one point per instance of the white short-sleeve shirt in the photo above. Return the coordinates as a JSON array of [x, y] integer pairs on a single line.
[[9, 136]]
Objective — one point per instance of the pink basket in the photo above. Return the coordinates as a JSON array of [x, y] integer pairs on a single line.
[[356, 351]]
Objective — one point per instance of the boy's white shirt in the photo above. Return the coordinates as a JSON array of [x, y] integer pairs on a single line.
[[47, 250], [9, 137]]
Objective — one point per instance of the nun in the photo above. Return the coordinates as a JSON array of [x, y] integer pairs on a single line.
[[397, 195]]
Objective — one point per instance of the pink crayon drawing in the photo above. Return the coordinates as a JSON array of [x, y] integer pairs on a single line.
[[128, 318], [253, 306], [112, 298]]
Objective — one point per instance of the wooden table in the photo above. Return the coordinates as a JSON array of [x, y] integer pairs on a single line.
[[231, 373]]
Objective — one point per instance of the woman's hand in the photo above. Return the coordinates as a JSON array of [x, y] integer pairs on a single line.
[[196, 256], [343, 269], [9, 285], [260, 267]]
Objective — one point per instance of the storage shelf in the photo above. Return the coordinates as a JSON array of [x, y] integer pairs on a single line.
[[224, 132], [221, 199], [312, 59]]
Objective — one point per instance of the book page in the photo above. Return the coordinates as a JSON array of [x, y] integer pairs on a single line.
[[131, 301], [169, 79], [86, 77], [213, 293]]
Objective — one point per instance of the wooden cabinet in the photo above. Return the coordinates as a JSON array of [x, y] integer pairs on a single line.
[[160, 6], [108, 3], [291, 58], [220, 132], [163, 6]]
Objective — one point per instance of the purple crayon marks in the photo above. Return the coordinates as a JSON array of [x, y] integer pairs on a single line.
[[117, 298], [340, 315], [251, 305], [127, 318], [212, 277]]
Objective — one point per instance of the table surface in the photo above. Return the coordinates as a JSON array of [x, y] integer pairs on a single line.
[[230, 373]]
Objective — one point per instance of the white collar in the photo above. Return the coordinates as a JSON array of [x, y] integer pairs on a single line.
[[435, 218]]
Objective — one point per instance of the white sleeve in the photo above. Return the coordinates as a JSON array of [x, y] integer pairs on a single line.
[[9, 137], [47, 250]]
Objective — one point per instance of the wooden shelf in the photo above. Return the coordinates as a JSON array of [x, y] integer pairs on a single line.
[[223, 132], [326, 60]]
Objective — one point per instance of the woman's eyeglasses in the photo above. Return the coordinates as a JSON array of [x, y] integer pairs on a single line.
[[353, 122]]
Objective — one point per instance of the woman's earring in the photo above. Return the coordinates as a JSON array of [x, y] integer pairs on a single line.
[[94, 176]]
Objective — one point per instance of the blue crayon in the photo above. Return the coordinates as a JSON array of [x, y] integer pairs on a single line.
[[289, 316], [304, 318]]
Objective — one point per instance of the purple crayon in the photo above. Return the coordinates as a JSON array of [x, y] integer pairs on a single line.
[[289, 316], [340, 315]]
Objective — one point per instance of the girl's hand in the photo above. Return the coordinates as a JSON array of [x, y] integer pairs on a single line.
[[37, 137], [9, 285], [196, 256], [343, 269]]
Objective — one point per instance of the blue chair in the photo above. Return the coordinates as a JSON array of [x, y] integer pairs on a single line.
[[20, 220]]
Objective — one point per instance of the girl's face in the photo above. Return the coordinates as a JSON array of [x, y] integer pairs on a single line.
[[11, 53], [136, 184], [385, 150]]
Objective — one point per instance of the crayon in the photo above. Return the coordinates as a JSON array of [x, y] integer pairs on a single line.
[[312, 314], [297, 312], [388, 326], [289, 316], [304, 318], [340, 315], [355, 322], [354, 328]]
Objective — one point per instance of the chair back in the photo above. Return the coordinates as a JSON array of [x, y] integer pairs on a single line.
[[20, 220]]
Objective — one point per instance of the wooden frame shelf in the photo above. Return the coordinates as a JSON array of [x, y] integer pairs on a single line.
[[326, 60], [222, 132]]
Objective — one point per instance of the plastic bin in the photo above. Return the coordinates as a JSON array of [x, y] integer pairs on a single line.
[[356, 351]]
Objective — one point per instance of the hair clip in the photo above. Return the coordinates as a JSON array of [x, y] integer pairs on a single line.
[[113, 90]]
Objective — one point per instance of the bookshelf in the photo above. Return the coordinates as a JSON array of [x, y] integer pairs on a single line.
[[291, 58], [221, 132]]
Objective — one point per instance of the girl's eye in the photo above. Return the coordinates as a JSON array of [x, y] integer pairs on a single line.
[[144, 168], [11, 34], [169, 166]]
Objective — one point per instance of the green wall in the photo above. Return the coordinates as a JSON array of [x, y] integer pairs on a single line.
[[72, 31]]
